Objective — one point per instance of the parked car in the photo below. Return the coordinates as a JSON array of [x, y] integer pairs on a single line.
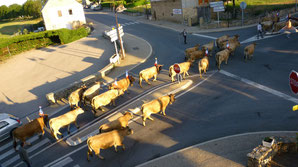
[[8, 123]]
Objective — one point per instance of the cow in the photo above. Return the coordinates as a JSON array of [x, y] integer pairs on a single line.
[[222, 56], [106, 140], [249, 51], [104, 99], [184, 67], [123, 83], [221, 39], [76, 96], [91, 92], [196, 55], [120, 123], [64, 120], [231, 40], [189, 50], [156, 106], [209, 46], [203, 65], [29, 129], [148, 73], [233, 46]]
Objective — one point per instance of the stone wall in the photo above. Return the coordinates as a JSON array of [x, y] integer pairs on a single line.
[[261, 155], [163, 10]]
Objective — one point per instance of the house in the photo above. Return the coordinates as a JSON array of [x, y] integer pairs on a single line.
[[180, 11], [62, 14]]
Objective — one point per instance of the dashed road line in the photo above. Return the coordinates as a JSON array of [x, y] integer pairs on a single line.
[[262, 87], [63, 162]]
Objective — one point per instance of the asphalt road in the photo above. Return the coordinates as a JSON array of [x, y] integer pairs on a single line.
[[220, 106]]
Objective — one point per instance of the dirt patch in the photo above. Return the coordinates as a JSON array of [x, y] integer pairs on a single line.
[[285, 160]]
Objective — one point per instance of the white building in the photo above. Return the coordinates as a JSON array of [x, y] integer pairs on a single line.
[[62, 14]]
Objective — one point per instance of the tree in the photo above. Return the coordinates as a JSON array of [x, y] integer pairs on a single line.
[[33, 8], [3, 12], [14, 11]]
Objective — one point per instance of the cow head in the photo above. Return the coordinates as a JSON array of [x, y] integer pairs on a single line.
[[128, 131], [131, 80], [128, 114], [79, 110], [172, 98], [158, 67]]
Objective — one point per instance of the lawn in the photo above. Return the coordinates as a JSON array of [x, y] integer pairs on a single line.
[[9, 28], [265, 2]]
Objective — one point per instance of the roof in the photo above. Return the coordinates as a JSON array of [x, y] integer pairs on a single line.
[[60, 3]]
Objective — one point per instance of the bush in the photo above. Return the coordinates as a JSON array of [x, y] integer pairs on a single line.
[[21, 43]]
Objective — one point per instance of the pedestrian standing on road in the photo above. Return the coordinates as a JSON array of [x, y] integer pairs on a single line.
[[40, 112], [260, 31], [184, 33], [24, 155]]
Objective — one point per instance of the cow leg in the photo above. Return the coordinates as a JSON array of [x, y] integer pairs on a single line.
[[113, 101], [148, 81], [151, 118], [123, 147], [226, 61], [187, 73], [115, 146], [75, 122], [144, 120], [155, 77], [101, 109], [164, 112], [173, 79], [205, 70], [140, 82], [184, 75], [101, 157], [200, 73], [68, 126]]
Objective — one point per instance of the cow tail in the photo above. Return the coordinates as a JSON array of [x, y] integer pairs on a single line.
[[99, 130], [50, 124], [89, 147], [140, 78]]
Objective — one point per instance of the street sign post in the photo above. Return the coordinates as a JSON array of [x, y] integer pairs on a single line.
[[294, 81], [217, 7], [242, 6]]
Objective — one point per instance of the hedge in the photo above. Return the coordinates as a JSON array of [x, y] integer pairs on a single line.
[[18, 44]]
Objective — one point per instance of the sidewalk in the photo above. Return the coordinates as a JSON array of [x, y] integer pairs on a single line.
[[228, 151]]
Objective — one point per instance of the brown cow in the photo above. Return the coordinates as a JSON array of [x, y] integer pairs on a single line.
[[155, 106], [189, 50], [222, 56], [196, 55], [148, 73], [76, 96], [209, 46], [231, 40], [64, 120], [104, 99], [107, 140], [120, 123], [220, 40], [29, 129], [91, 92], [123, 83], [184, 67], [203, 65], [249, 51]]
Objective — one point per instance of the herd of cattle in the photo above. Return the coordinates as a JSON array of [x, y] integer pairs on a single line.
[[113, 133]]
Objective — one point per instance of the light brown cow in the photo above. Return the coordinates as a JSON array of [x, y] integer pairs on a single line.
[[25, 131], [222, 56], [123, 83], [189, 50], [233, 46], [203, 65], [231, 40], [209, 46], [76, 96], [104, 99], [91, 92], [120, 123], [184, 67], [106, 140], [148, 73], [249, 51], [155, 106], [64, 120], [220, 40], [196, 55]]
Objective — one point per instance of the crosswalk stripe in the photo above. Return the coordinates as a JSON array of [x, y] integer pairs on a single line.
[[205, 36], [76, 165], [29, 150], [254, 38], [32, 139], [64, 162]]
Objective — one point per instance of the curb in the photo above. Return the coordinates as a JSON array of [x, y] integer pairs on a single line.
[[210, 141]]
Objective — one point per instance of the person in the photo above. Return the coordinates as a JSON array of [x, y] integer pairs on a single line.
[[184, 33], [260, 32], [24, 155], [40, 112]]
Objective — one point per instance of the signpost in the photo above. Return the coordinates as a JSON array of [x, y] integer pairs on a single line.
[[114, 36], [294, 81], [217, 7], [242, 6], [177, 71]]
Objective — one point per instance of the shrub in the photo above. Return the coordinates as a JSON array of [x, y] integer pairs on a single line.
[[67, 36]]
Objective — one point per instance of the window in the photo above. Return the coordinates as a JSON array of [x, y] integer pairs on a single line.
[[70, 11], [3, 124], [59, 13]]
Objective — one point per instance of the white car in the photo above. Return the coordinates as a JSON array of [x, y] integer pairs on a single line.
[[8, 123]]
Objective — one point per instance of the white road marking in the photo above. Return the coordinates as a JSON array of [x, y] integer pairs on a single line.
[[11, 151], [262, 87], [254, 38], [29, 150], [63, 162], [204, 36], [76, 165]]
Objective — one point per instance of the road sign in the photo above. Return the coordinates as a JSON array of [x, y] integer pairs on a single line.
[[243, 5], [219, 9], [294, 81], [114, 35], [177, 68], [215, 4]]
